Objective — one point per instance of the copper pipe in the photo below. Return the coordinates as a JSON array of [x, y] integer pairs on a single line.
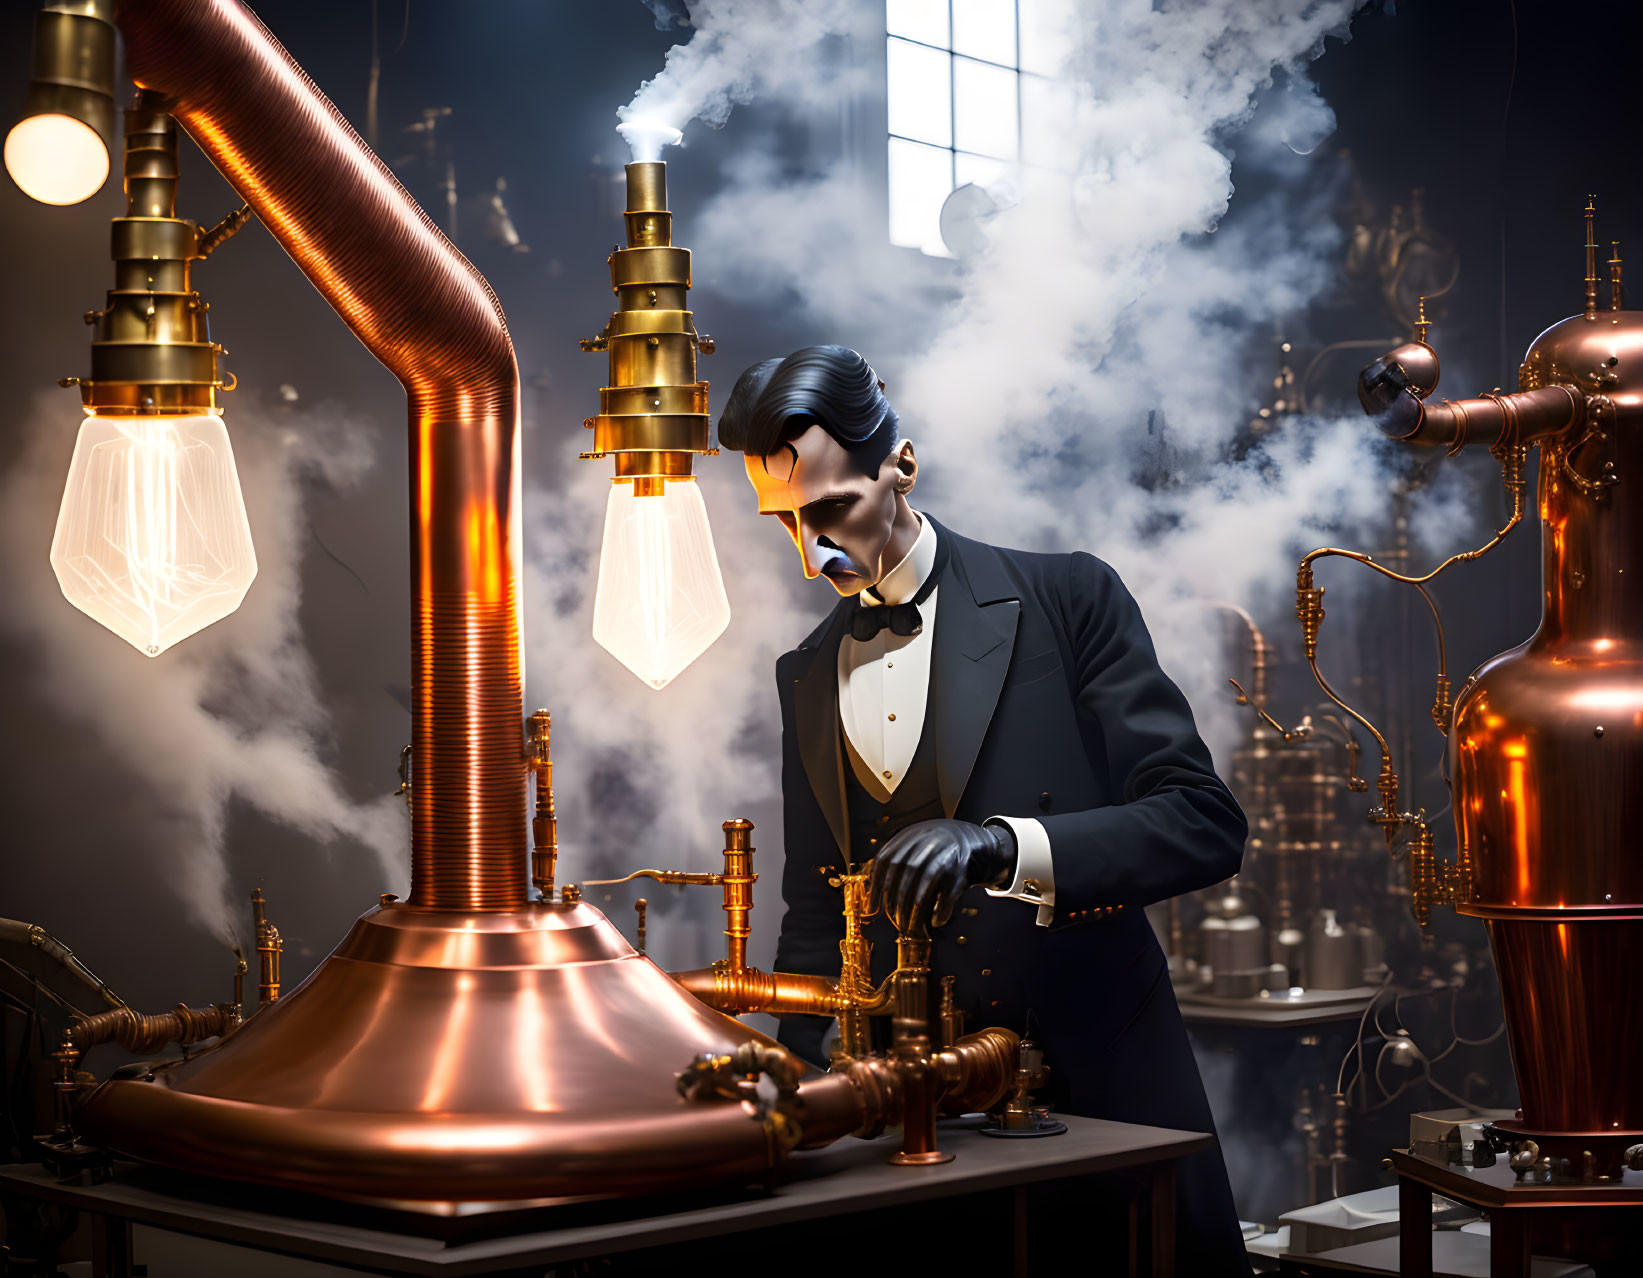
[[420, 308], [747, 989]]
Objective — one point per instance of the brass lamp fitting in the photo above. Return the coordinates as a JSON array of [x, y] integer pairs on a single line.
[[653, 416], [152, 352]]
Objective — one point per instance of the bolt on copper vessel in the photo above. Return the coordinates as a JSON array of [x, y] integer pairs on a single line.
[[1546, 747]]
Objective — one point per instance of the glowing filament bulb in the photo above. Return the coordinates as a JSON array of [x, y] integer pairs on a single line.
[[56, 159], [661, 600], [152, 539]]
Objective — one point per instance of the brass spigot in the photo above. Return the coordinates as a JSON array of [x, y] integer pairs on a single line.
[[545, 822], [1423, 874], [915, 1066], [1387, 815], [269, 948], [240, 970], [738, 879], [1441, 706], [856, 995], [405, 776], [1030, 1074], [952, 1018], [1460, 875], [730, 985], [1591, 259]]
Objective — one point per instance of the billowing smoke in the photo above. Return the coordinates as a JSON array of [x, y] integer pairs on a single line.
[[232, 714], [1077, 380], [741, 51]]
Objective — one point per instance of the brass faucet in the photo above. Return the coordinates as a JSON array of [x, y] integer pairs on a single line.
[[918, 1079]]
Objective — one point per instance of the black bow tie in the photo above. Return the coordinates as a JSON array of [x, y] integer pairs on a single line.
[[904, 618], [869, 619]]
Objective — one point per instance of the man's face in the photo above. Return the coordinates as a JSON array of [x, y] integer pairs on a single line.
[[839, 518]]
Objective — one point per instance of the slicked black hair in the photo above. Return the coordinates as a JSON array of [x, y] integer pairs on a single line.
[[829, 386]]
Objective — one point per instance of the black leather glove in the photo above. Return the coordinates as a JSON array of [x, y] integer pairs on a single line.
[[923, 870]]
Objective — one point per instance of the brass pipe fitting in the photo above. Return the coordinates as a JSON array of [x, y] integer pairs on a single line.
[[738, 880], [545, 822], [1423, 874], [654, 415], [270, 946], [951, 1018]]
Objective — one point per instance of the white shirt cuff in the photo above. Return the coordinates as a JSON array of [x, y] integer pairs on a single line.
[[1034, 868]]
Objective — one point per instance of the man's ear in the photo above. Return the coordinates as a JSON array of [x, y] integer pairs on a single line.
[[906, 468]]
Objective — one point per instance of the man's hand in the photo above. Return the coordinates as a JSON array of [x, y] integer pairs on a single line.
[[922, 872]]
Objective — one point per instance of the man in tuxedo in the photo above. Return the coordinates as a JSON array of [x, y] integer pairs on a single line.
[[991, 728]]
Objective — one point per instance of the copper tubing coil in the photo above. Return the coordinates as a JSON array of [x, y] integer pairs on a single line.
[[142, 1032], [420, 308]]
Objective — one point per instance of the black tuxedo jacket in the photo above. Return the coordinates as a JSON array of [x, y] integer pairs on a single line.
[[1046, 701]]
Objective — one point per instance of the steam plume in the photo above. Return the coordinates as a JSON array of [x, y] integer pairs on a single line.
[[742, 50]]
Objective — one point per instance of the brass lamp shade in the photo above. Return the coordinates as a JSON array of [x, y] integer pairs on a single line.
[[73, 78]]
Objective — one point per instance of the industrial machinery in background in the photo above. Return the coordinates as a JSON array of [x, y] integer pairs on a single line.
[[1545, 740], [1544, 744], [1321, 1013], [475, 1047]]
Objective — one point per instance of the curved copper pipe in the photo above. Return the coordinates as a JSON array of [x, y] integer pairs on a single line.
[[421, 309]]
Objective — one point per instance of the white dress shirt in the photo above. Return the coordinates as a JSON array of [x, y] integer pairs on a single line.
[[884, 689]]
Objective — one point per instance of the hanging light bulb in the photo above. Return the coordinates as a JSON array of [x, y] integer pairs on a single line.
[[152, 539], [58, 151], [661, 600]]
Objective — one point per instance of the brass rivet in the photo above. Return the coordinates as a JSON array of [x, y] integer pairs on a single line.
[[963, 940], [1596, 732], [887, 774], [889, 665], [986, 971], [893, 719]]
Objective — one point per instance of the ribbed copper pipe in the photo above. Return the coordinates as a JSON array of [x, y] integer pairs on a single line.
[[421, 309]]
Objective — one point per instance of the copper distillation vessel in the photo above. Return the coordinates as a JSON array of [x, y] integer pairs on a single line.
[[1545, 740], [474, 1046]]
